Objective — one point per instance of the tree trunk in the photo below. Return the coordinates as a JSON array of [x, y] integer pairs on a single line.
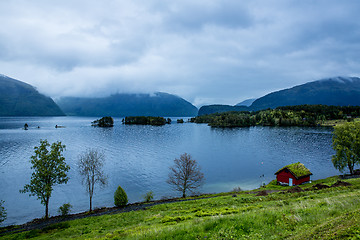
[[351, 168], [90, 203], [47, 209], [184, 195]]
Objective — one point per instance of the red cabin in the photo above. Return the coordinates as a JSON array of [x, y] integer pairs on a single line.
[[293, 174]]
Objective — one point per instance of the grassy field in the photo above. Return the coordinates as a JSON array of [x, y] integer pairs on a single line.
[[331, 123], [331, 213]]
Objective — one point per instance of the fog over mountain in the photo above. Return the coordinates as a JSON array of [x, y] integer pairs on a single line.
[[20, 99], [121, 105]]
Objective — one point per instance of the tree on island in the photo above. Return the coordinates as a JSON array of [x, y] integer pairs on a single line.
[[90, 167], [346, 143], [49, 169], [103, 122], [185, 175]]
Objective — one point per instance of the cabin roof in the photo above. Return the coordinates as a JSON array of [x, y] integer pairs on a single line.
[[297, 169]]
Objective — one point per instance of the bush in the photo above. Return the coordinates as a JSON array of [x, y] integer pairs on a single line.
[[149, 196], [2, 212], [120, 197], [64, 210]]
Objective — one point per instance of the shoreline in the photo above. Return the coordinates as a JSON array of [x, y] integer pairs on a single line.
[[40, 223]]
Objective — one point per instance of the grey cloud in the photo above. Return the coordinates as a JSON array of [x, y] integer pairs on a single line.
[[194, 16], [205, 51]]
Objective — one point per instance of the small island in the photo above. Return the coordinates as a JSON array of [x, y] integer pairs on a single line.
[[146, 120], [103, 122]]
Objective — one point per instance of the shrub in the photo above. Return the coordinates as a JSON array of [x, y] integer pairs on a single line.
[[120, 197], [64, 210], [149, 196], [2, 212]]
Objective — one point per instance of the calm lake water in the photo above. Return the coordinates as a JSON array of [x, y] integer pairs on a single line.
[[138, 158]]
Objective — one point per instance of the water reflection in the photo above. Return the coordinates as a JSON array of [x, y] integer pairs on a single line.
[[138, 158]]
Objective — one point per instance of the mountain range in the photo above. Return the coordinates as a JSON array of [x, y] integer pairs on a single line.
[[21, 99], [337, 91], [121, 105]]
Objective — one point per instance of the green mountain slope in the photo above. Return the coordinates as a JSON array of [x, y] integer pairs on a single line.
[[339, 91], [20, 99], [120, 105]]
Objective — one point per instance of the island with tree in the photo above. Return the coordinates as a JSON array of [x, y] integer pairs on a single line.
[[146, 120], [103, 122]]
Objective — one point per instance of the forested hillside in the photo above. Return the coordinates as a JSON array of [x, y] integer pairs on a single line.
[[120, 105], [21, 99]]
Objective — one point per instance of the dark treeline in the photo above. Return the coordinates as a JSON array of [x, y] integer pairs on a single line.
[[103, 122], [302, 115], [142, 120]]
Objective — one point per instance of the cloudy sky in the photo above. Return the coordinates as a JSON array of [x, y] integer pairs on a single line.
[[204, 51]]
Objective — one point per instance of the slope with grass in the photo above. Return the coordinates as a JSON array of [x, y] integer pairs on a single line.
[[329, 213]]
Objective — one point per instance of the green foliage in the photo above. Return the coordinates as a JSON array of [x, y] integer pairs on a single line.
[[149, 196], [58, 226], [298, 169], [142, 120], [49, 169], [103, 122], [304, 115], [168, 219], [2, 212], [346, 143], [120, 197], [333, 213], [65, 209]]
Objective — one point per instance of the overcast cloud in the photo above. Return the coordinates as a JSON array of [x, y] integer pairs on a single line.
[[204, 51]]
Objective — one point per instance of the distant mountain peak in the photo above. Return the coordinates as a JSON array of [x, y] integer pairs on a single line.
[[337, 91]]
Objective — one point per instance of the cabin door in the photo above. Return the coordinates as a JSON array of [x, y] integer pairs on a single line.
[[290, 182]]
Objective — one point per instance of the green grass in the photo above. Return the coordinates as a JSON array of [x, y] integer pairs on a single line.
[[332, 213]]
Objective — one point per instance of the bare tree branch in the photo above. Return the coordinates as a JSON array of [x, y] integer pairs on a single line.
[[90, 167], [185, 175]]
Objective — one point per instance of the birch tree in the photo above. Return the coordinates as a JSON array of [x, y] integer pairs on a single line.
[[90, 166]]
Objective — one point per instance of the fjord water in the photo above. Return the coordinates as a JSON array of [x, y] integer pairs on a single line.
[[138, 158]]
